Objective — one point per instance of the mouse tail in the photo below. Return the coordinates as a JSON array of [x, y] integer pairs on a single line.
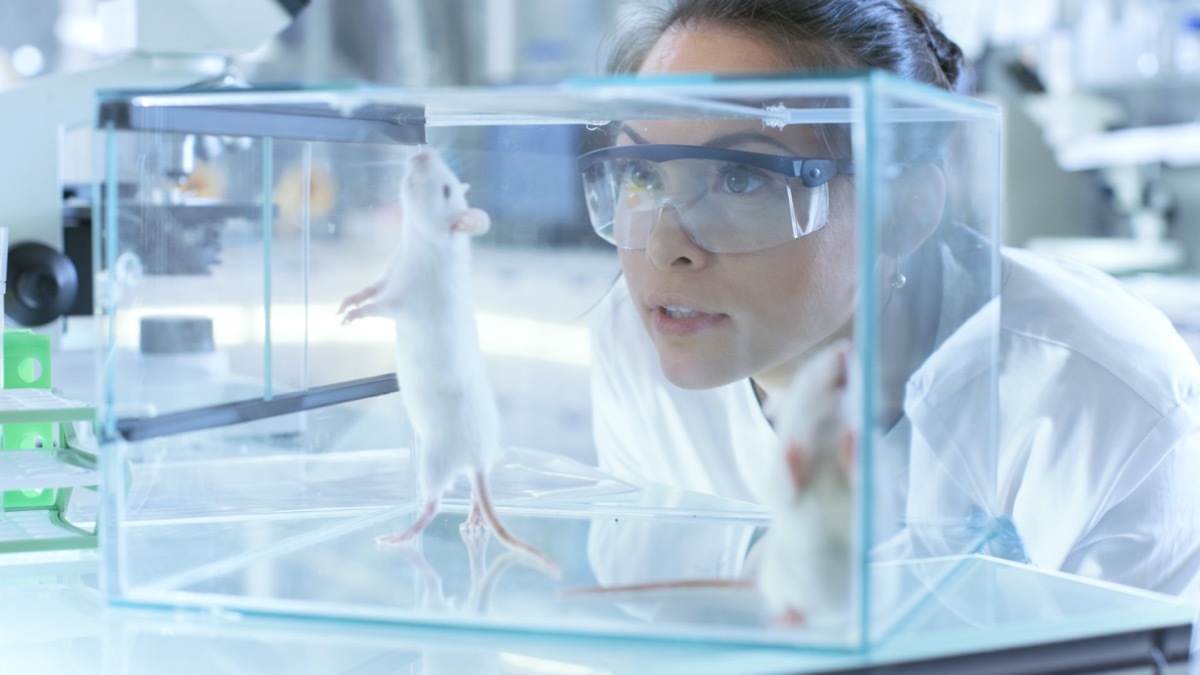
[[483, 500], [668, 585]]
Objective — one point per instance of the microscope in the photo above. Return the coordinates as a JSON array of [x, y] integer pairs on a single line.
[[47, 206]]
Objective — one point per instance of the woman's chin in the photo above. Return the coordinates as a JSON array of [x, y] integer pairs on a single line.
[[688, 374]]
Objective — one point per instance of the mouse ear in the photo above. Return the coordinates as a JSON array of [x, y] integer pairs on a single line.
[[472, 221]]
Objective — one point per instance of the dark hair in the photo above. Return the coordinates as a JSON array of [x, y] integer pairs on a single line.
[[893, 35]]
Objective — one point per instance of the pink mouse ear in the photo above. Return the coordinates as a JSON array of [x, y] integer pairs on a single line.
[[472, 221]]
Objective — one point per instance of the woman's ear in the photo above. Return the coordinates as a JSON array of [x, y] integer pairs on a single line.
[[918, 201]]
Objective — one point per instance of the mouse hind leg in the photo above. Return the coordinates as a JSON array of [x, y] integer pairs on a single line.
[[475, 520], [475, 535], [481, 500], [423, 519]]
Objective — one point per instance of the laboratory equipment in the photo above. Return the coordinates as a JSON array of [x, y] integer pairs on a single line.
[[1114, 89], [27, 365], [153, 43], [46, 450], [267, 486]]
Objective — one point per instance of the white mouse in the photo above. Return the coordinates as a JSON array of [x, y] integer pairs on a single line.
[[805, 568], [802, 566], [426, 292]]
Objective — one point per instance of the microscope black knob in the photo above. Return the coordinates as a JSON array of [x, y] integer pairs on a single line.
[[42, 284]]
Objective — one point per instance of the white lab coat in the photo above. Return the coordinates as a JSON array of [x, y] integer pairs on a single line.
[[1098, 463]]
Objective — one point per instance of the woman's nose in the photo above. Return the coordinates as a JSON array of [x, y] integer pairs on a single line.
[[669, 246]]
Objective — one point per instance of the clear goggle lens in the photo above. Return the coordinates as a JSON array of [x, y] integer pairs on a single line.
[[728, 201]]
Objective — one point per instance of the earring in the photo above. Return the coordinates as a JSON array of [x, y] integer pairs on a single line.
[[897, 280]]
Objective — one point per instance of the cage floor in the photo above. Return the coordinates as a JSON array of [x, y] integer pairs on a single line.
[[331, 566]]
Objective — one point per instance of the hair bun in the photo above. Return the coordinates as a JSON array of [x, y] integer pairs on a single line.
[[949, 56]]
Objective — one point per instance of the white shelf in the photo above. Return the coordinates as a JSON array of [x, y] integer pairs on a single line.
[[30, 406], [31, 525], [41, 470]]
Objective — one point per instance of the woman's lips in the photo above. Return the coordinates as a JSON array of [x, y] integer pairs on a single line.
[[680, 320]]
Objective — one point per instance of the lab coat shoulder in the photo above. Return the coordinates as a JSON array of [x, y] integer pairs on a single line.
[[1099, 394], [1097, 405], [1077, 355], [1093, 316]]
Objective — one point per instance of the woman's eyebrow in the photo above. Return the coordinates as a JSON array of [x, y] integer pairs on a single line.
[[726, 141], [745, 137]]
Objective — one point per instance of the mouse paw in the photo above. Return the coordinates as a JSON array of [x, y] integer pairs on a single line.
[[369, 309], [394, 540], [473, 530], [360, 297], [798, 465], [476, 541], [475, 519], [847, 450], [789, 618], [472, 221]]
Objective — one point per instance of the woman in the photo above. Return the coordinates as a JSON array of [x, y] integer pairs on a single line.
[[1100, 400]]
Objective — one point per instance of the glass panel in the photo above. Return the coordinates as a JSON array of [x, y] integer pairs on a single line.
[[932, 336], [218, 309]]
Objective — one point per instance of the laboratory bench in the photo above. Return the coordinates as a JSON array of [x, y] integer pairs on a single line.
[[53, 619]]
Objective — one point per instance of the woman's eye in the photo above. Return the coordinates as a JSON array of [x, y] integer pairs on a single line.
[[640, 175], [740, 179]]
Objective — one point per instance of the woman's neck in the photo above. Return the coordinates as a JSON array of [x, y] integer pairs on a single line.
[[909, 323], [774, 382]]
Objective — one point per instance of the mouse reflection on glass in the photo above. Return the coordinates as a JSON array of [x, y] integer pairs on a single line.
[[736, 274]]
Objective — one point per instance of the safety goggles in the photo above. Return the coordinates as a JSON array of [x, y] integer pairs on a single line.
[[728, 201]]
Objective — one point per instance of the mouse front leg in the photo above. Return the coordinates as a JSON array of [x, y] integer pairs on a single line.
[[360, 297], [474, 222], [363, 311], [385, 304]]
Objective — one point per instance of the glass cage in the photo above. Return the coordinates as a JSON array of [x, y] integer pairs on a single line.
[[255, 447]]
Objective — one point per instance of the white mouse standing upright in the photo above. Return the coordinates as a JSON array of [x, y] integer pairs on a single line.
[[426, 291], [806, 569]]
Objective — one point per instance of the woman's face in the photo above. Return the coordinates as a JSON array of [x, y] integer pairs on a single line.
[[719, 317]]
